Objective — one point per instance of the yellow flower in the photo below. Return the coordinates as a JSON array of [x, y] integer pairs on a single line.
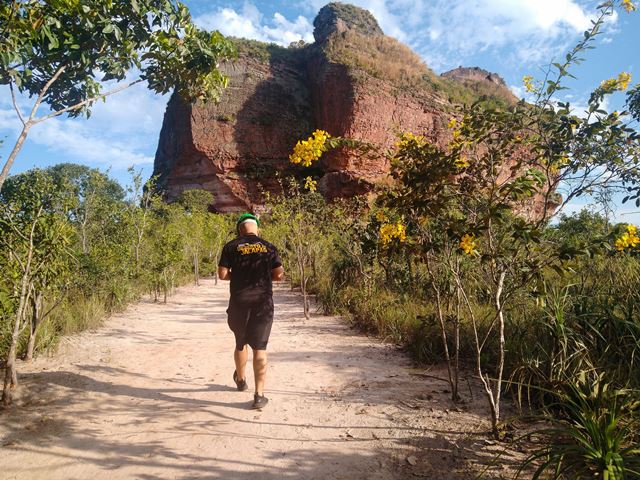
[[468, 244], [629, 239], [452, 123], [409, 139], [462, 162], [308, 151], [619, 83], [623, 80], [380, 216], [528, 83], [391, 231], [628, 5], [310, 184], [609, 84]]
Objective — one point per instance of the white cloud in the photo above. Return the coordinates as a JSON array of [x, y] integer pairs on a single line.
[[230, 23], [627, 215], [135, 110], [532, 29], [73, 138], [250, 23], [580, 108], [518, 91], [285, 32]]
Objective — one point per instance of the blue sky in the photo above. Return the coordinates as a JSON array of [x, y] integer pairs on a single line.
[[510, 37]]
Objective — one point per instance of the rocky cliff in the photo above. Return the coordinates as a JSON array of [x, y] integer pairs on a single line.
[[352, 81]]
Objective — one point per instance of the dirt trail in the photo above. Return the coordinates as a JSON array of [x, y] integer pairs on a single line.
[[149, 396]]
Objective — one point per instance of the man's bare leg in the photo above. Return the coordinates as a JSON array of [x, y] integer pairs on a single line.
[[240, 357], [260, 369]]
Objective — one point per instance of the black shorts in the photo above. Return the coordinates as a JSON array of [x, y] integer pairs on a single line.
[[250, 322]]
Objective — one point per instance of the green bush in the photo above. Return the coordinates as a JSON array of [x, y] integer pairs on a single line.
[[593, 433]]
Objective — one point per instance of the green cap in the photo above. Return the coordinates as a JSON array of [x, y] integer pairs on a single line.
[[247, 216]]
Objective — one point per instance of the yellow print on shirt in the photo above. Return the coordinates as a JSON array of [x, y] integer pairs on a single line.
[[249, 248]]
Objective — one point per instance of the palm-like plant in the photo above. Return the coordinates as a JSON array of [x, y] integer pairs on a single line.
[[592, 434]]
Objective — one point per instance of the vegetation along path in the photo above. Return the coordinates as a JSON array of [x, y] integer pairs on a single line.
[[150, 396]]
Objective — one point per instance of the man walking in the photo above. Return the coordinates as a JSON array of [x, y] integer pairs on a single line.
[[251, 264]]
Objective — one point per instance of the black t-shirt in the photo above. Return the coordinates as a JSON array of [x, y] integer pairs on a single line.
[[251, 260]]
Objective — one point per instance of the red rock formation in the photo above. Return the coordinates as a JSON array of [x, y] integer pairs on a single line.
[[277, 96]]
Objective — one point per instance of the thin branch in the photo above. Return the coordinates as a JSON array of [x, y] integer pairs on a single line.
[[56, 303], [17, 232], [43, 92], [86, 102], [12, 253], [15, 104]]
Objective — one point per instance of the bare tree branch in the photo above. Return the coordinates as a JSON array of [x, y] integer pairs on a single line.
[[44, 91], [15, 104], [88, 101]]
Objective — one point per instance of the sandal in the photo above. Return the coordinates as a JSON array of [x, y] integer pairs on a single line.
[[241, 385]]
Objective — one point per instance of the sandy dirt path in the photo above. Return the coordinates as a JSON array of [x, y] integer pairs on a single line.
[[150, 396]]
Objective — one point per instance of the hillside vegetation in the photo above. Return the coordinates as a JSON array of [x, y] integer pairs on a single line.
[[76, 247], [389, 60]]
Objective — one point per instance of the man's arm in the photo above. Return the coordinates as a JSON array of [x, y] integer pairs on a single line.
[[224, 273], [277, 273]]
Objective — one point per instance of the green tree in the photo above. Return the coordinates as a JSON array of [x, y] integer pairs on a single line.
[[296, 214], [59, 52], [94, 196], [35, 239], [166, 254], [140, 201], [583, 229], [196, 204], [218, 229], [104, 238]]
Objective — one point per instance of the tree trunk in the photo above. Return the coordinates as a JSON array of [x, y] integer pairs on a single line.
[[453, 378], [445, 341], [486, 381], [307, 302], [499, 309], [12, 156], [165, 287], [456, 341], [36, 315], [303, 287], [196, 270], [83, 236], [10, 373]]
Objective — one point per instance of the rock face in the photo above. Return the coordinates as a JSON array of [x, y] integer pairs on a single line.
[[353, 81], [475, 74]]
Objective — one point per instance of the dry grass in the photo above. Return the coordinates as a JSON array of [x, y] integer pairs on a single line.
[[384, 57], [380, 56]]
